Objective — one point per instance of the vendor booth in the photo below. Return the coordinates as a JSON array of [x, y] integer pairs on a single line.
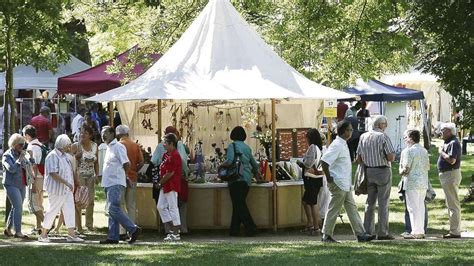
[[396, 104], [438, 100], [27, 83], [220, 68], [96, 79]]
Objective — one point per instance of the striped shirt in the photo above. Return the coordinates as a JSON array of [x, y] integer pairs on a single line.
[[60, 163], [374, 146]]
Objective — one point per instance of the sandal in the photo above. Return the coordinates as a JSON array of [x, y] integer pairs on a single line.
[[7, 233], [307, 229], [21, 236], [315, 232]]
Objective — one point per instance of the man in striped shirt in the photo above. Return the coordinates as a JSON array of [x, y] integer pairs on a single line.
[[376, 152]]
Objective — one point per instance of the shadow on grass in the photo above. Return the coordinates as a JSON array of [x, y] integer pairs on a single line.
[[293, 253]]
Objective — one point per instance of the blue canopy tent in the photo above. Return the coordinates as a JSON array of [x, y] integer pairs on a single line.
[[391, 105], [378, 91]]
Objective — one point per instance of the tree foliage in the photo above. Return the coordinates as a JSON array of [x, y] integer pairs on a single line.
[[332, 42], [32, 33], [443, 35]]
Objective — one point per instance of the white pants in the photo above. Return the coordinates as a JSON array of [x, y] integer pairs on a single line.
[[58, 203], [416, 209], [168, 207]]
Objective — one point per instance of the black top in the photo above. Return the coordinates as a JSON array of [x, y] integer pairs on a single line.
[[453, 149], [361, 115]]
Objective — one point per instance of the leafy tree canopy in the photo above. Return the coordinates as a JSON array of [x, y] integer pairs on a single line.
[[332, 42], [443, 35]]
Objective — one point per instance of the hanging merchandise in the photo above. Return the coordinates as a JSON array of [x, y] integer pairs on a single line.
[[189, 123], [219, 117], [199, 160], [249, 116], [146, 110]]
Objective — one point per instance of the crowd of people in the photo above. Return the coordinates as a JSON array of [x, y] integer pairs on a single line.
[[375, 153], [70, 169]]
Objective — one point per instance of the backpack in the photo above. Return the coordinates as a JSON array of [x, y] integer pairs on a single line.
[[44, 152]]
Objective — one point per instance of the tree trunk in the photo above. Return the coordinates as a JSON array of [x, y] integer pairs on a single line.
[[9, 108]]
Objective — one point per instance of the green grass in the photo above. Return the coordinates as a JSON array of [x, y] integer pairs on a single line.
[[467, 167], [287, 246], [283, 253]]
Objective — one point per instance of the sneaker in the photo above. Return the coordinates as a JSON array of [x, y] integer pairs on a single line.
[[449, 235], [328, 239], [108, 241], [365, 238], [124, 237], [387, 237], [44, 239], [411, 236], [404, 234], [172, 237], [74, 239], [134, 235]]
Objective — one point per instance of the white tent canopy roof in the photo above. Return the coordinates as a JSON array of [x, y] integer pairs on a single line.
[[26, 77], [412, 76], [220, 56]]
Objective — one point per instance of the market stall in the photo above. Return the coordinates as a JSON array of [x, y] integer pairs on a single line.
[[394, 103], [221, 61], [438, 100], [34, 87], [97, 80]]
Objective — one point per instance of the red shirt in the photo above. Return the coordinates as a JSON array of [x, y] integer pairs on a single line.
[[42, 125], [341, 110], [171, 162]]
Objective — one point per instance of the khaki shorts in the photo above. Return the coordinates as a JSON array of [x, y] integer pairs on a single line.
[[37, 196]]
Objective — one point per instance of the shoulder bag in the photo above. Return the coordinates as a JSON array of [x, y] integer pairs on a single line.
[[230, 172]]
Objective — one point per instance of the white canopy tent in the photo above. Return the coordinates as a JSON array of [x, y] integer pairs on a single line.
[[27, 77], [439, 101], [220, 56]]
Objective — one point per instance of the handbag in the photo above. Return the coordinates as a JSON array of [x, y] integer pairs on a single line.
[[230, 172], [81, 197], [360, 186]]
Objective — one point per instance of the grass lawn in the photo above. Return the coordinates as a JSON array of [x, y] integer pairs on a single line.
[[275, 253], [287, 246]]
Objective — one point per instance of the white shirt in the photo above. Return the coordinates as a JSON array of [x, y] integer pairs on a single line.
[[76, 126], [35, 150], [339, 160], [101, 154], [416, 159], [61, 163], [113, 172]]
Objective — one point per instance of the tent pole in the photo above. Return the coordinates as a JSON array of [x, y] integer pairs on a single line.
[[159, 121], [110, 105], [58, 112], [274, 161]]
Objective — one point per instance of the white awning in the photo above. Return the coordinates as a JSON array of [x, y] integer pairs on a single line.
[[220, 57]]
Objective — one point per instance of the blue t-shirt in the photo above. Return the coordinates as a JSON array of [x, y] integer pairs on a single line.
[[453, 149]]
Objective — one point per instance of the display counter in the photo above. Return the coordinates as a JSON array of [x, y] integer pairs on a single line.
[[210, 207]]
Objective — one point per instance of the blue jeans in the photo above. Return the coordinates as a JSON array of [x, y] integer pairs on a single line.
[[16, 197], [116, 215]]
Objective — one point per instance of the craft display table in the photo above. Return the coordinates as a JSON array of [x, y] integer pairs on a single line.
[[210, 207]]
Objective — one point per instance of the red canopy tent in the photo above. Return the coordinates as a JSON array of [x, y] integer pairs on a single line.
[[95, 79]]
